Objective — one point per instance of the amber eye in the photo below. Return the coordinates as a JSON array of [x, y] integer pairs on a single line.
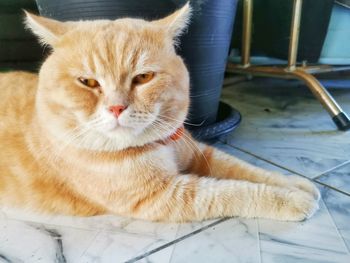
[[91, 83], [143, 78]]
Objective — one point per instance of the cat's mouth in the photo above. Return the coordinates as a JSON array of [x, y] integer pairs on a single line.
[[117, 127]]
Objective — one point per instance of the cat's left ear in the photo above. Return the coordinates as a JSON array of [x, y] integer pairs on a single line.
[[176, 23], [48, 30]]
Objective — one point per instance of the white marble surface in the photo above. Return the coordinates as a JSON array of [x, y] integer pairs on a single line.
[[338, 206], [28, 237], [315, 240], [228, 241], [285, 124], [323, 238], [22, 241]]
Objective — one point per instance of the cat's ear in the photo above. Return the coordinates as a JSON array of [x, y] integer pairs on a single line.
[[176, 23], [48, 30]]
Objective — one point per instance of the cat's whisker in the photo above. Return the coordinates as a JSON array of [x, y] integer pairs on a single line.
[[75, 134], [190, 140], [162, 116], [180, 121], [160, 125]]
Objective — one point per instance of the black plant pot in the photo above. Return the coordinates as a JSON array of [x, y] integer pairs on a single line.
[[204, 46]]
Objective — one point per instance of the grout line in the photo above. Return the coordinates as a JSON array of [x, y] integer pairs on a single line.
[[90, 244], [332, 169], [332, 187], [177, 240]]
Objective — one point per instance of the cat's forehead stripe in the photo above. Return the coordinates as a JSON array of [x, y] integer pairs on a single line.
[[105, 62]]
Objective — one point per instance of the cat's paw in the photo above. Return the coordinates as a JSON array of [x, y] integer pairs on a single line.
[[305, 185], [299, 206]]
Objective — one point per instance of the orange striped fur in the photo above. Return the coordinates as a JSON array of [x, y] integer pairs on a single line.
[[63, 151]]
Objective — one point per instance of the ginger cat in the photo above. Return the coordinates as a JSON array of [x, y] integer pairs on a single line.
[[99, 131]]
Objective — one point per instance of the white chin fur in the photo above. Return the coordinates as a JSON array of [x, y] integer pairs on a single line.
[[121, 139]]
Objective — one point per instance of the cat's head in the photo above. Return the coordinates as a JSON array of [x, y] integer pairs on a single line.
[[110, 85]]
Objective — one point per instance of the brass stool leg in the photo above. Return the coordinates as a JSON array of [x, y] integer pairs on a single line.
[[246, 32], [294, 35], [292, 70], [338, 115]]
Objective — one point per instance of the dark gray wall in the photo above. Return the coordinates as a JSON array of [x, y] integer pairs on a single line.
[[19, 49]]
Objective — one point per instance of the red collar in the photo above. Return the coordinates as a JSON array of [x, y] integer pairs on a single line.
[[175, 136]]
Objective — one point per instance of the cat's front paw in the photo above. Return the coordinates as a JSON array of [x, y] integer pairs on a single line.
[[305, 185], [299, 206]]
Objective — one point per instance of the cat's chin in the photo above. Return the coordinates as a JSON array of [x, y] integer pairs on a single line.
[[119, 130], [114, 141]]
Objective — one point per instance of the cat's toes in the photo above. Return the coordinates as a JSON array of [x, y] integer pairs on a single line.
[[306, 185], [300, 206]]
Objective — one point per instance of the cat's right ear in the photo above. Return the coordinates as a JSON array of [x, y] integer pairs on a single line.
[[48, 30], [176, 23]]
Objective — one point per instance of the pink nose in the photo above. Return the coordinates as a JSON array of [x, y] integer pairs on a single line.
[[117, 110]]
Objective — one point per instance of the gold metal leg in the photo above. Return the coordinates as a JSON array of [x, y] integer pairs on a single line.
[[294, 34], [328, 102], [292, 70], [319, 92], [339, 117], [247, 32]]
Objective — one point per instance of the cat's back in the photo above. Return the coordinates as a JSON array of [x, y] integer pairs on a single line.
[[17, 93], [17, 84]]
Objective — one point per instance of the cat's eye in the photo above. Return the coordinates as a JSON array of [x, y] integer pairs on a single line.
[[91, 83], [143, 78]]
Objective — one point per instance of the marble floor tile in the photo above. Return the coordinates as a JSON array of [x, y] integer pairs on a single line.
[[326, 235], [109, 223], [283, 123], [164, 253], [119, 247], [314, 240], [249, 158], [112, 238], [338, 178], [161, 256], [22, 241], [338, 206], [234, 240]]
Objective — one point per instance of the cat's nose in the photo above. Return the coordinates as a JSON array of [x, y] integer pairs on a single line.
[[117, 109]]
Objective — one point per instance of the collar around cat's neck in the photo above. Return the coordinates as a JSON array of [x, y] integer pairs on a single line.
[[175, 136]]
